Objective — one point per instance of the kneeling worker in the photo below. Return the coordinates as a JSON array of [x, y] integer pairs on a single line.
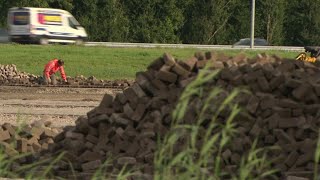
[[51, 68]]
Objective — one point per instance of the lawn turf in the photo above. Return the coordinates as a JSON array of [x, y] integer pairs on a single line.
[[101, 62]]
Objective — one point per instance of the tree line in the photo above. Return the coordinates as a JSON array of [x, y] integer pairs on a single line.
[[281, 22]]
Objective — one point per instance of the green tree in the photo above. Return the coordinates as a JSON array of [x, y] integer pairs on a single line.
[[270, 16], [169, 19], [153, 20], [4, 6], [29, 3], [302, 23], [61, 4], [207, 21], [238, 25], [112, 25], [85, 12]]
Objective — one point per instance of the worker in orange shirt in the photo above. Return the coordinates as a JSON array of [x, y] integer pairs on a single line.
[[51, 68]]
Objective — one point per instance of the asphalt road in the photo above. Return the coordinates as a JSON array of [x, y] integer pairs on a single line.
[[4, 39]]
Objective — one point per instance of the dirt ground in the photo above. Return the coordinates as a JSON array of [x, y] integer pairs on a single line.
[[61, 106]]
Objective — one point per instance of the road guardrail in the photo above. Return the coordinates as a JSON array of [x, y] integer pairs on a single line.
[[195, 46], [192, 46]]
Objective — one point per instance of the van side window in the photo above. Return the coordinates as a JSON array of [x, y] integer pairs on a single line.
[[71, 24], [21, 18]]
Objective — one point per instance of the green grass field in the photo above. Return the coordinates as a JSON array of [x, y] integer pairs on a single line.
[[101, 62]]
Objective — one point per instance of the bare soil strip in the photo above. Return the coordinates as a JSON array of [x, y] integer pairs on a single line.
[[61, 106], [47, 103], [66, 111]]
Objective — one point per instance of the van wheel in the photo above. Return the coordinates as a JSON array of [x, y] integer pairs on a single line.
[[79, 41], [44, 41]]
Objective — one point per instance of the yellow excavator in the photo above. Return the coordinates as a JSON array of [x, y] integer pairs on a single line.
[[314, 53]]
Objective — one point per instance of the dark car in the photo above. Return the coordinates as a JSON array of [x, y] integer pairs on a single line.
[[246, 42]]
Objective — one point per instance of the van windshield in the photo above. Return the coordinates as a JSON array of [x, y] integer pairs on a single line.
[[21, 18]]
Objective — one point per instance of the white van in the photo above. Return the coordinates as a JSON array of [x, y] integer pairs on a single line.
[[44, 25]]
